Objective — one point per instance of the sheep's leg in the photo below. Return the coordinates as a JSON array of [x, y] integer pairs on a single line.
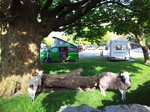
[[123, 93], [102, 90], [32, 96], [39, 89]]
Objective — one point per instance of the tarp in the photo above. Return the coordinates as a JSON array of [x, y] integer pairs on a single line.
[[60, 42]]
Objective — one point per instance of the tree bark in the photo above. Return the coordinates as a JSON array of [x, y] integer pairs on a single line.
[[71, 80], [142, 42], [20, 57]]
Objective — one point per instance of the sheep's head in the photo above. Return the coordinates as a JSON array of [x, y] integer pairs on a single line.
[[32, 91], [126, 77], [40, 72]]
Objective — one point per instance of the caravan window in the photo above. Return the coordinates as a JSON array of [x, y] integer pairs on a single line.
[[72, 48], [55, 50], [119, 47]]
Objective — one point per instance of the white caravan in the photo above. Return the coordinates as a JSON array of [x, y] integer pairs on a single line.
[[119, 49]]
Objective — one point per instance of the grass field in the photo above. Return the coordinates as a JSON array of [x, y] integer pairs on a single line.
[[51, 102]]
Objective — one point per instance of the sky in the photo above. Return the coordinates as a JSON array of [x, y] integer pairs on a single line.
[[56, 34]]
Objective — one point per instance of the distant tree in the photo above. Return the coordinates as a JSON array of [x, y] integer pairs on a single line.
[[136, 23], [49, 41], [104, 40]]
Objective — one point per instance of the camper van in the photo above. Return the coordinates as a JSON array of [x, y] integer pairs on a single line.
[[119, 49], [60, 51]]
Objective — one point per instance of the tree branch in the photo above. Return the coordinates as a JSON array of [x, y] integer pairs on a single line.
[[82, 11], [108, 20], [79, 13], [63, 15], [51, 19], [80, 25], [119, 4], [45, 8], [72, 7]]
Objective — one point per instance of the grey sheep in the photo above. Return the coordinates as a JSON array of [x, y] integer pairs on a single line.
[[109, 80], [34, 85]]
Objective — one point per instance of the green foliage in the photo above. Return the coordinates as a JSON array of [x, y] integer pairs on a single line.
[[89, 27], [136, 21], [86, 41], [105, 39], [133, 17], [51, 102], [49, 41], [147, 36]]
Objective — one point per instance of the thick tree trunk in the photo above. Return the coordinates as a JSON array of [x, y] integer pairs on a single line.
[[20, 57], [71, 80], [20, 44], [144, 47]]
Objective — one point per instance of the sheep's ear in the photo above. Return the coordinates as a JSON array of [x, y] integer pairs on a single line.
[[121, 74], [40, 71], [127, 73]]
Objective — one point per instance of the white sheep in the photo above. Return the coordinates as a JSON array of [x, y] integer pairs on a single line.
[[109, 80], [34, 85]]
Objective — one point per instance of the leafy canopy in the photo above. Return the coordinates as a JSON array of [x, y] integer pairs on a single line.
[[125, 17], [84, 18]]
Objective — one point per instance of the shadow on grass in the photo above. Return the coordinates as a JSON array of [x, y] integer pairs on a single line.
[[53, 101], [91, 66], [139, 96]]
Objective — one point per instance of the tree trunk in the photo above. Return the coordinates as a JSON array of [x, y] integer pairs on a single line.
[[71, 80], [144, 47], [20, 57], [146, 54]]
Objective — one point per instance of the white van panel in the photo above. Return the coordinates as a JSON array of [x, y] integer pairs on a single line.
[[119, 50]]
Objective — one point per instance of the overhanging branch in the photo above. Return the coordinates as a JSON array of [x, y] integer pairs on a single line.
[[79, 13], [108, 20], [80, 25], [62, 18], [72, 7], [82, 11], [119, 4], [57, 9], [45, 8]]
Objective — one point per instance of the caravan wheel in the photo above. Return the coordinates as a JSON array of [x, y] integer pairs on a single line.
[[72, 60]]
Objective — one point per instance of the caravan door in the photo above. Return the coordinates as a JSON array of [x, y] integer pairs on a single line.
[[63, 53], [54, 54], [59, 53]]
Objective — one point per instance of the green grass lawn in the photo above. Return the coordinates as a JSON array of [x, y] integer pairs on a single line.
[[51, 102]]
